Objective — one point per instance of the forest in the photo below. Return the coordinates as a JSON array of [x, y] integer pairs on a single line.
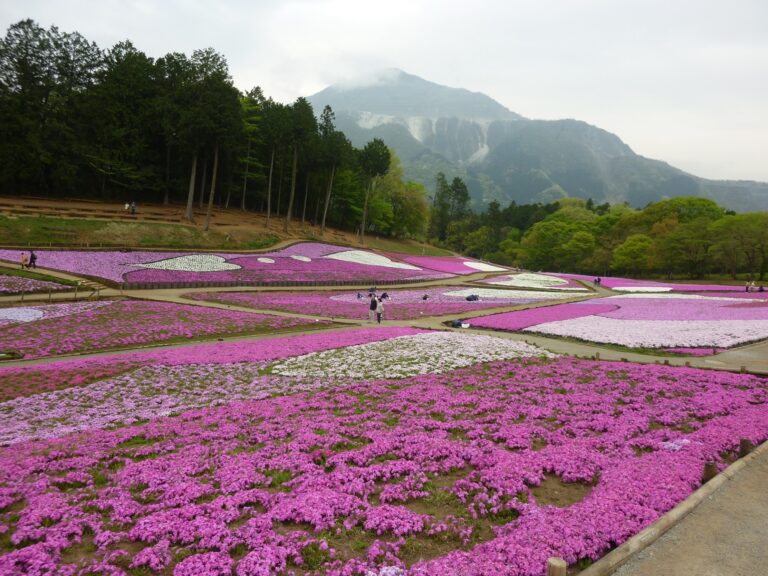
[[79, 121]]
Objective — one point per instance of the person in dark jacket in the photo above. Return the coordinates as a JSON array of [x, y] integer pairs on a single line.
[[372, 305]]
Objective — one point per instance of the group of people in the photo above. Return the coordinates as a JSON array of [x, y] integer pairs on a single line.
[[28, 262], [598, 281], [752, 287], [375, 304], [130, 206]]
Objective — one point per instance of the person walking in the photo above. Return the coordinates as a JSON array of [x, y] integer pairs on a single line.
[[133, 208], [372, 305], [379, 310], [23, 260], [32, 259]]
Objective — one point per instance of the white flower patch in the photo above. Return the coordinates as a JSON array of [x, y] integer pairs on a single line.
[[528, 280], [648, 289], [14, 315], [144, 393], [501, 294], [483, 267], [430, 353], [266, 260], [192, 263], [657, 333], [48, 311], [301, 258], [370, 259]]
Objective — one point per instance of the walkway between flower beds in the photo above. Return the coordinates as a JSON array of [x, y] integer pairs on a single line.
[[725, 535]]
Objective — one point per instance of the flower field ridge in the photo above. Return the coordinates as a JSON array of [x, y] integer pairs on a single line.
[[459, 464]]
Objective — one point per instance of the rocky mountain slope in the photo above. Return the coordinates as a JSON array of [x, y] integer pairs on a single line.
[[504, 156]]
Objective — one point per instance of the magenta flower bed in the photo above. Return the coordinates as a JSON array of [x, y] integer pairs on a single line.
[[29, 380], [128, 323], [305, 262], [524, 318], [347, 481], [402, 304], [18, 284], [650, 308], [449, 264]]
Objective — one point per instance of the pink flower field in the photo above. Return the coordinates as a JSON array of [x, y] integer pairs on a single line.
[[634, 285], [669, 321], [401, 304], [305, 262], [481, 470], [61, 374], [18, 285], [52, 329]]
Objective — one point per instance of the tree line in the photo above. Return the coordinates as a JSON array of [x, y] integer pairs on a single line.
[[688, 236], [79, 121]]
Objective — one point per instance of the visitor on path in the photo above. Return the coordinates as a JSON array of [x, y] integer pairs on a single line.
[[23, 260], [746, 286], [379, 310], [32, 259], [372, 306], [127, 206], [752, 286], [133, 208]]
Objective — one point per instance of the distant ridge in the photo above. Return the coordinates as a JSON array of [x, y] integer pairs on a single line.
[[504, 156]]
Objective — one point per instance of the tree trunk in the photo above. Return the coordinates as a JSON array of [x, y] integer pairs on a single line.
[[201, 200], [167, 195], [294, 169], [368, 193], [269, 185], [213, 188], [279, 189], [306, 195], [327, 199], [245, 176], [317, 211], [191, 193]]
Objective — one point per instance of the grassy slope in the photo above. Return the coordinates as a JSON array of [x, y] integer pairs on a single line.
[[44, 231]]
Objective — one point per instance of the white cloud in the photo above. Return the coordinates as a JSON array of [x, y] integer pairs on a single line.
[[680, 81]]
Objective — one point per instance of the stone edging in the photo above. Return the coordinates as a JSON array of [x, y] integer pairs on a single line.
[[611, 561]]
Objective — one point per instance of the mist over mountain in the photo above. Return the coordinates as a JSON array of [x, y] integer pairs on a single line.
[[504, 156]]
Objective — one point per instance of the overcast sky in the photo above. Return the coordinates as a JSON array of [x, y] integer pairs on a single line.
[[684, 81]]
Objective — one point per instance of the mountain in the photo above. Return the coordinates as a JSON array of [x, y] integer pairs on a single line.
[[504, 156]]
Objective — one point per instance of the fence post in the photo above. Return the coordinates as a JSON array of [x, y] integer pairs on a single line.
[[556, 567]]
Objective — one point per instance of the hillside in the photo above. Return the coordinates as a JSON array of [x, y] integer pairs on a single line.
[[504, 156]]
